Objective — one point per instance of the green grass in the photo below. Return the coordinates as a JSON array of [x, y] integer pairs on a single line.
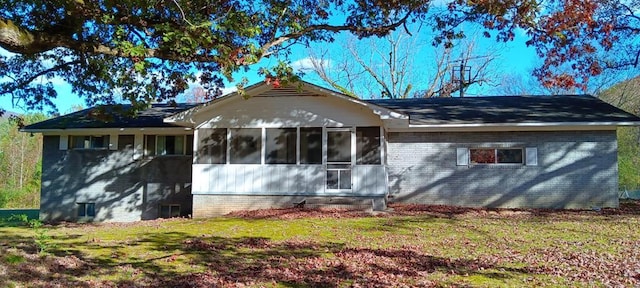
[[510, 249]]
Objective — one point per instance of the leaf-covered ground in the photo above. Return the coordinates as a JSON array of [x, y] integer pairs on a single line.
[[412, 246]]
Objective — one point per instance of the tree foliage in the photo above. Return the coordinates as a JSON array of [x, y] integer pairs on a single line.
[[20, 163], [140, 50], [626, 95]]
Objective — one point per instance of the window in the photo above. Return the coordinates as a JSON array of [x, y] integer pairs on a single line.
[[125, 142], [212, 146], [89, 142], [86, 209], [339, 146], [169, 210], [281, 145], [311, 145], [496, 156], [368, 145], [168, 145], [246, 146]]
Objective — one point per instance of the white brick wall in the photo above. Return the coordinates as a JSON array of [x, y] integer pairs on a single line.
[[575, 170]]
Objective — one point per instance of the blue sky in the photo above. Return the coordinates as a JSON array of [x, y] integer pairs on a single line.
[[514, 58]]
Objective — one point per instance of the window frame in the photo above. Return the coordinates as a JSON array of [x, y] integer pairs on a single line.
[[362, 155], [496, 154], [170, 206], [283, 131], [206, 158], [187, 145], [83, 209], [298, 154], [232, 142], [105, 144]]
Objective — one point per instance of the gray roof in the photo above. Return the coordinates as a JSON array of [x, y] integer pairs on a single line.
[[113, 116], [507, 110], [421, 111]]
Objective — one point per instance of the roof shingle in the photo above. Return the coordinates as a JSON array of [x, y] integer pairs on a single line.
[[507, 110]]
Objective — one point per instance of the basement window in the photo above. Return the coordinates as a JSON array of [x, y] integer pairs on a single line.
[[86, 210], [169, 210]]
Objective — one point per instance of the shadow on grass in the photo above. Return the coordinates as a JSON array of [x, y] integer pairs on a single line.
[[179, 260]]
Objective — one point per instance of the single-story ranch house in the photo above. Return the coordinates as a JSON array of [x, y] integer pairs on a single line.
[[284, 145]]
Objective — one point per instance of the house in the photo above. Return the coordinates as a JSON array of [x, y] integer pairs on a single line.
[[283, 145]]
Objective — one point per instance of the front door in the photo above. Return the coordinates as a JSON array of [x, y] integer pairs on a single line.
[[339, 159]]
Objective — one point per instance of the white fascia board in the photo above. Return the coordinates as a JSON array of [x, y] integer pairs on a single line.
[[556, 126], [105, 131]]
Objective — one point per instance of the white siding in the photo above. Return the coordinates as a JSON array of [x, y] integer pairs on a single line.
[[281, 180], [277, 112]]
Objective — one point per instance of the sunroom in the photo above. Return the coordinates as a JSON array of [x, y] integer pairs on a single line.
[[313, 161]]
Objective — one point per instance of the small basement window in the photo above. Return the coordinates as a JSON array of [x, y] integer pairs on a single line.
[[89, 142], [496, 155], [86, 210], [169, 210]]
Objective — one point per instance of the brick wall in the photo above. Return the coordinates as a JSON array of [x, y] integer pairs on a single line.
[[122, 189], [217, 205], [576, 169]]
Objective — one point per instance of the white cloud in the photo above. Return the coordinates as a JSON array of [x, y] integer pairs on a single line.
[[306, 64]]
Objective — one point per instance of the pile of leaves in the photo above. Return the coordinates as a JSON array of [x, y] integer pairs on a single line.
[[628, 207]]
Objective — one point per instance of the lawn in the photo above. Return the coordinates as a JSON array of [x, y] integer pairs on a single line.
[[413, 246]]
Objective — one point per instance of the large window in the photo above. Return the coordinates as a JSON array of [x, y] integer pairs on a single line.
[[89, 142], [168, 145], [311, 145], [246, 146], [496, 156], [281, 145], [212, 146], [368, 145]]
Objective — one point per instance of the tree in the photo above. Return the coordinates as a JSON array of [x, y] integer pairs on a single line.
[[20, 163], [626, 95], [570, 35], [397, 66], [141, 50], [150, 49]]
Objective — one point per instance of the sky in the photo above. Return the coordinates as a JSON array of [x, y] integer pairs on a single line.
[[512, 58]]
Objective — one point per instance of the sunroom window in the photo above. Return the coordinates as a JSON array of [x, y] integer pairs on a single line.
[[281, 145], [245, 146], [212, 146], [310, 145], [368, 145]]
